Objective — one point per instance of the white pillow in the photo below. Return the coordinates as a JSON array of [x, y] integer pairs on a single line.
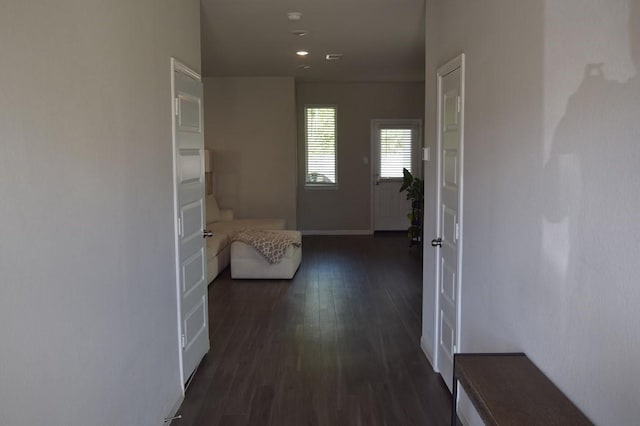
[[213, 212]]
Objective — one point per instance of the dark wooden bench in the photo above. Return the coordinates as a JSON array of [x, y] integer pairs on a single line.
[[508, 389]]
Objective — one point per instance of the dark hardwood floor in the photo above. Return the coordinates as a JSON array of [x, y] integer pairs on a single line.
[[337, 345]]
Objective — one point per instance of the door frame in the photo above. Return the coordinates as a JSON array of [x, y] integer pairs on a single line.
[[177, 66], [456, 63], [372, 157]]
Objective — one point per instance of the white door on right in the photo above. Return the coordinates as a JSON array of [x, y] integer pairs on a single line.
[[396, 145], [448, 241]]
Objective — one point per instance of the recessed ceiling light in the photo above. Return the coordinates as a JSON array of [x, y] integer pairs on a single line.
[[333, 56], [299, 33], [294, 16], [302, 53], [304, 67]]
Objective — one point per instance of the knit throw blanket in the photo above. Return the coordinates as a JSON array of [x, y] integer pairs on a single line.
[[270, 244]]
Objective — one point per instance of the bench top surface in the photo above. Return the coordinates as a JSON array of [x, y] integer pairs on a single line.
[[508, 389]]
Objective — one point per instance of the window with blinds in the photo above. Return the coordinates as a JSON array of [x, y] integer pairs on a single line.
[[395, 152], [321, 146]]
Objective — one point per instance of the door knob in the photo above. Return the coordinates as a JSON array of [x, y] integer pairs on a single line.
[[436, 242], [207, 234]]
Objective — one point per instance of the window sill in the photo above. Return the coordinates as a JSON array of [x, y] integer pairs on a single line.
[[314, 187]]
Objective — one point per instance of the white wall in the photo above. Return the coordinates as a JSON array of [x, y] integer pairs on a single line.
[[87, 294], [358, 104], [250, 129], [551, 173]]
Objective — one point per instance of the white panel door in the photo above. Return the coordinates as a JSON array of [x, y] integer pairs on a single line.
[[396, 144], [191, 258], [448, 242]]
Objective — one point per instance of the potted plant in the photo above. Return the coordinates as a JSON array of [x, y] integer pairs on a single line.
[[414, 187]]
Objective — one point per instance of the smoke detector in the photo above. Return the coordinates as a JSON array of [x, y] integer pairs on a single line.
[[333, 56], [294, 16]]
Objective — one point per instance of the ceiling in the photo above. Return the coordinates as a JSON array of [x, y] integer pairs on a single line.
[[381, 40]]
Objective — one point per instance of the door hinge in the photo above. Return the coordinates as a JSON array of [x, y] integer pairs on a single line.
[[183, 341], [457, 231], [459, 104], [177, 106], [179, 227]]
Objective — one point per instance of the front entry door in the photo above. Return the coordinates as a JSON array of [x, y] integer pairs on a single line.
[[448, 241], [396, 145], [191, 258]]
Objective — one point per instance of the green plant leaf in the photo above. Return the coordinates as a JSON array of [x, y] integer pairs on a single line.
[[407, 179]]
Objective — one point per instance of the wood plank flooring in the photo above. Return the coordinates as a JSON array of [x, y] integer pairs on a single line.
[[337, 345]]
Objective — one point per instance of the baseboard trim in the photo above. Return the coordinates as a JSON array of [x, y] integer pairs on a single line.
[[174, 409], [337, 232], [427, 352]]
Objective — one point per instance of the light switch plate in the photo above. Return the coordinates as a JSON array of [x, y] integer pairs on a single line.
[[426, 153]]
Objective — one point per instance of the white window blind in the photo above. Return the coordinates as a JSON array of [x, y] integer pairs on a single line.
[[320, 137], [395, 152]]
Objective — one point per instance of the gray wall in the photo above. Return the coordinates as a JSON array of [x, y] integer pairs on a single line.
[[87, 293], [250, 129], [348, 208], [551, 175]]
